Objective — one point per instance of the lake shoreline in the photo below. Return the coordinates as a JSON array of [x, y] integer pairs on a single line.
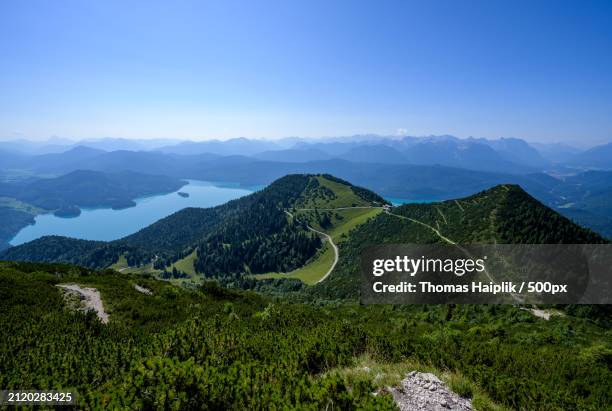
[[107, 223]]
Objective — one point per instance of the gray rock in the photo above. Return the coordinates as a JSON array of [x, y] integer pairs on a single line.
[[427, 376], [425, 392]]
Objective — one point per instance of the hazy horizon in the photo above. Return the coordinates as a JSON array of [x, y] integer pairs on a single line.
[[58, 140]]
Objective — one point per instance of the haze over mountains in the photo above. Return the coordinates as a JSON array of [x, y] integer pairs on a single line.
[[506, 154], [575, 182]]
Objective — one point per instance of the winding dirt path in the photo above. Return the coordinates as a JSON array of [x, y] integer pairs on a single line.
[[448, 240], [90, 298], [336, 253], [544, 314], [334, 247], [516, 297]]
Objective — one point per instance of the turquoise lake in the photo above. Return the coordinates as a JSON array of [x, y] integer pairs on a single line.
[[107, 224]]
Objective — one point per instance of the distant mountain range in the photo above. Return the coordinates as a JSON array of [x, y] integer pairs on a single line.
[[510, 155], [507, 155], [59, 145], [596, 157], [423, 168]]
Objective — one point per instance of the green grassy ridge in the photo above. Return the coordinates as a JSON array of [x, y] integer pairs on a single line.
[[321, 195], [327, 192], [258, 238], [504, 214], [315, 269], [185, 264], [311, 272], [214, 348]]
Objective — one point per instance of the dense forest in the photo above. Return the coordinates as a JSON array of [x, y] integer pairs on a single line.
[[12, 221], [214, 348]]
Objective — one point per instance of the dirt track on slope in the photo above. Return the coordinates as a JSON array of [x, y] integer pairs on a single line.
[[334, 246]]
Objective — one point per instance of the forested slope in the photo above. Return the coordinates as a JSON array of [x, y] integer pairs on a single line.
[[504, 214]]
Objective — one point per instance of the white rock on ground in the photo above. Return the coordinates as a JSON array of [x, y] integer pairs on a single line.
[[90, 299], [425, 392], [545, 314], [142, 289]]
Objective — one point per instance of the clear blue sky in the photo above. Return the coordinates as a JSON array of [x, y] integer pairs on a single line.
[[541, 70]]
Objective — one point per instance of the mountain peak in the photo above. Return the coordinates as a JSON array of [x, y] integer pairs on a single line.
[[510, 215]]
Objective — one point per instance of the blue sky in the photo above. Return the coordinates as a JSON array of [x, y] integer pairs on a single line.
[[540, 70]]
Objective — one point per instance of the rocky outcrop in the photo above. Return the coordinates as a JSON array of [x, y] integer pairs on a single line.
[[425, 392], [143, 290], [90, 299]]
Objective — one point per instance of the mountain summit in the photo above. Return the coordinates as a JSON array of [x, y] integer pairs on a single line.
[[504, 214]]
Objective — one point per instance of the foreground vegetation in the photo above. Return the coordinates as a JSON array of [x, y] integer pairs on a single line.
[[213, 348]]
